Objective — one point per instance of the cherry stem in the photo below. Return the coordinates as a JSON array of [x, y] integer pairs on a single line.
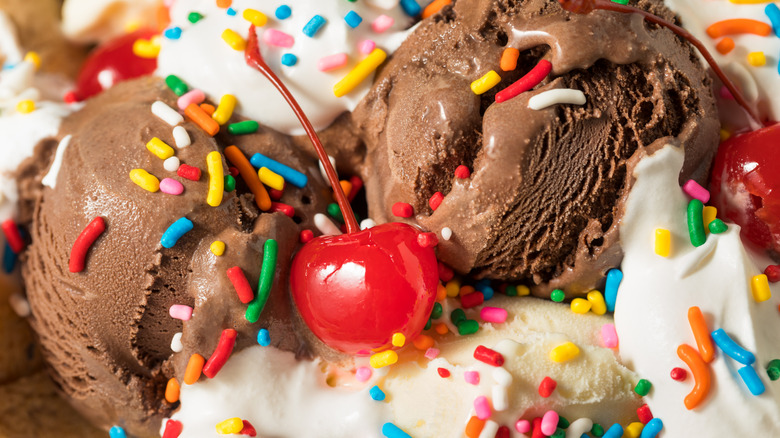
[[255, 59], [581, 7]]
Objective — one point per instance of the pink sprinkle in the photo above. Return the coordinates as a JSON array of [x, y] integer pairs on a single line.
[[549, 422], [471, 377], [696, 191], [171, 186], [609, 336], [180, 311], [431, 353], [725, 93], [332, 62], [493, 314], [382, 23], [194, 96], [362, 374], [366, 46], [278, 38], [482, 407], [523, 426]]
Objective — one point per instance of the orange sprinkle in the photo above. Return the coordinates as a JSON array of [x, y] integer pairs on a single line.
[[224, 3], [434, 7], [474, 427], [701, 375], [346, 187], [206, 123], [509, 59], [194, 369], [441, 328], [701, 333], [724, 46], [208, 108], [163, 18], [172, 391], [423, 342], [465, 290], [737, 26], [250, 177], [441, 292]]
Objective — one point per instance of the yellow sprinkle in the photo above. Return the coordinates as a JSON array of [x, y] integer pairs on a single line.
[[383, 359], [230, 426], [399, 340], [598, 306], [160, 149], [486, 82], [145, 180], [523, 290], [663, 242], [234, 40], [564, 352], [271, 178], [633, 430], [144, 48], [217, 247], [25, 106], [708, 215], [580, 305], [760, 288], [756, 59], [255, 17], [360, 72], [224, 110], [216, 179], [34, 58], [749, 2], [724, 135], [453, 288]]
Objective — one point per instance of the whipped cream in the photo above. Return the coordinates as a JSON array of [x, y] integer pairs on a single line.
[[654, 298], [202, 59], [89, 21]]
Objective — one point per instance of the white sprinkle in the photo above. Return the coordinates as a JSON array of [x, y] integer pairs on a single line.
[[579, 427], [500, 398], [166, 113], [20, 304], [322, 168], [181, 137], [502, 376], [176, 345], [367, 223], [325, 225], [557, 96], [446, 233], [50, 180], [508, 348], [489, 430], [171, 164], [106, 79]]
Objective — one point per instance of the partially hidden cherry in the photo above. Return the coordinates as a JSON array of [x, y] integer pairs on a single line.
[[355, 291], [113, 62], [745, 185]]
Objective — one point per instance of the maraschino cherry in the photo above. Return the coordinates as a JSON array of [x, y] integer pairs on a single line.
[[355, 291]]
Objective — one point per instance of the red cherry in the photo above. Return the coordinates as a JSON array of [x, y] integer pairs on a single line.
[[745, 185], [356, 290], [114, 61]]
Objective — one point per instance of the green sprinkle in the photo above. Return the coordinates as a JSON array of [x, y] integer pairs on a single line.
[[557, 295], [468, 327], [437, 311], [511, 290], [267, 273], [242, 128], [559, 433], [194, 17], [230, 183], [695, 223], [597, 430], [773, 369], [563, 423], [176, 85], [717, 226], [457, 315], [643, 387], [622, 2], [428, 324], [335, 212]]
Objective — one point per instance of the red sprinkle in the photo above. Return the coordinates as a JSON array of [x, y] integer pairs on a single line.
[[70, 97], [248, 429], [88, 236], [427, 240], [462, 172], [221, 354], [357, 184], [772, 273], [173, 429], [233, 171], [547, 387], [488, 356], [306, 236], [288, 210], [13, 236], [644, 414], [435, 200], [402, 209], [445, 272], [503, 432], [443, 372], [473, 299], [537, 428], [275, 194], [188, 172], [241, 284], [678, 374], [530, 80]]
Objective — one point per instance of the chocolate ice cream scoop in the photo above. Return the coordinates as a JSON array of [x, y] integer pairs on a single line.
[[546, 190], [106, 332]]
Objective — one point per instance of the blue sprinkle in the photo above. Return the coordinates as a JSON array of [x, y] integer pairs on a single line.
[[584, 435], [117, 432], [232, 12], [614, 277], [289, 59], [175, 231], [9, 259], [173, 33], [263, 338], [283, 12], [314, 25], [731, 348], [390, 430], [773, 13], [652, 428], [376, 393], [616, 431], [487, 292], [289, 174], [353, 19], [751, 379], [411, 7]]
